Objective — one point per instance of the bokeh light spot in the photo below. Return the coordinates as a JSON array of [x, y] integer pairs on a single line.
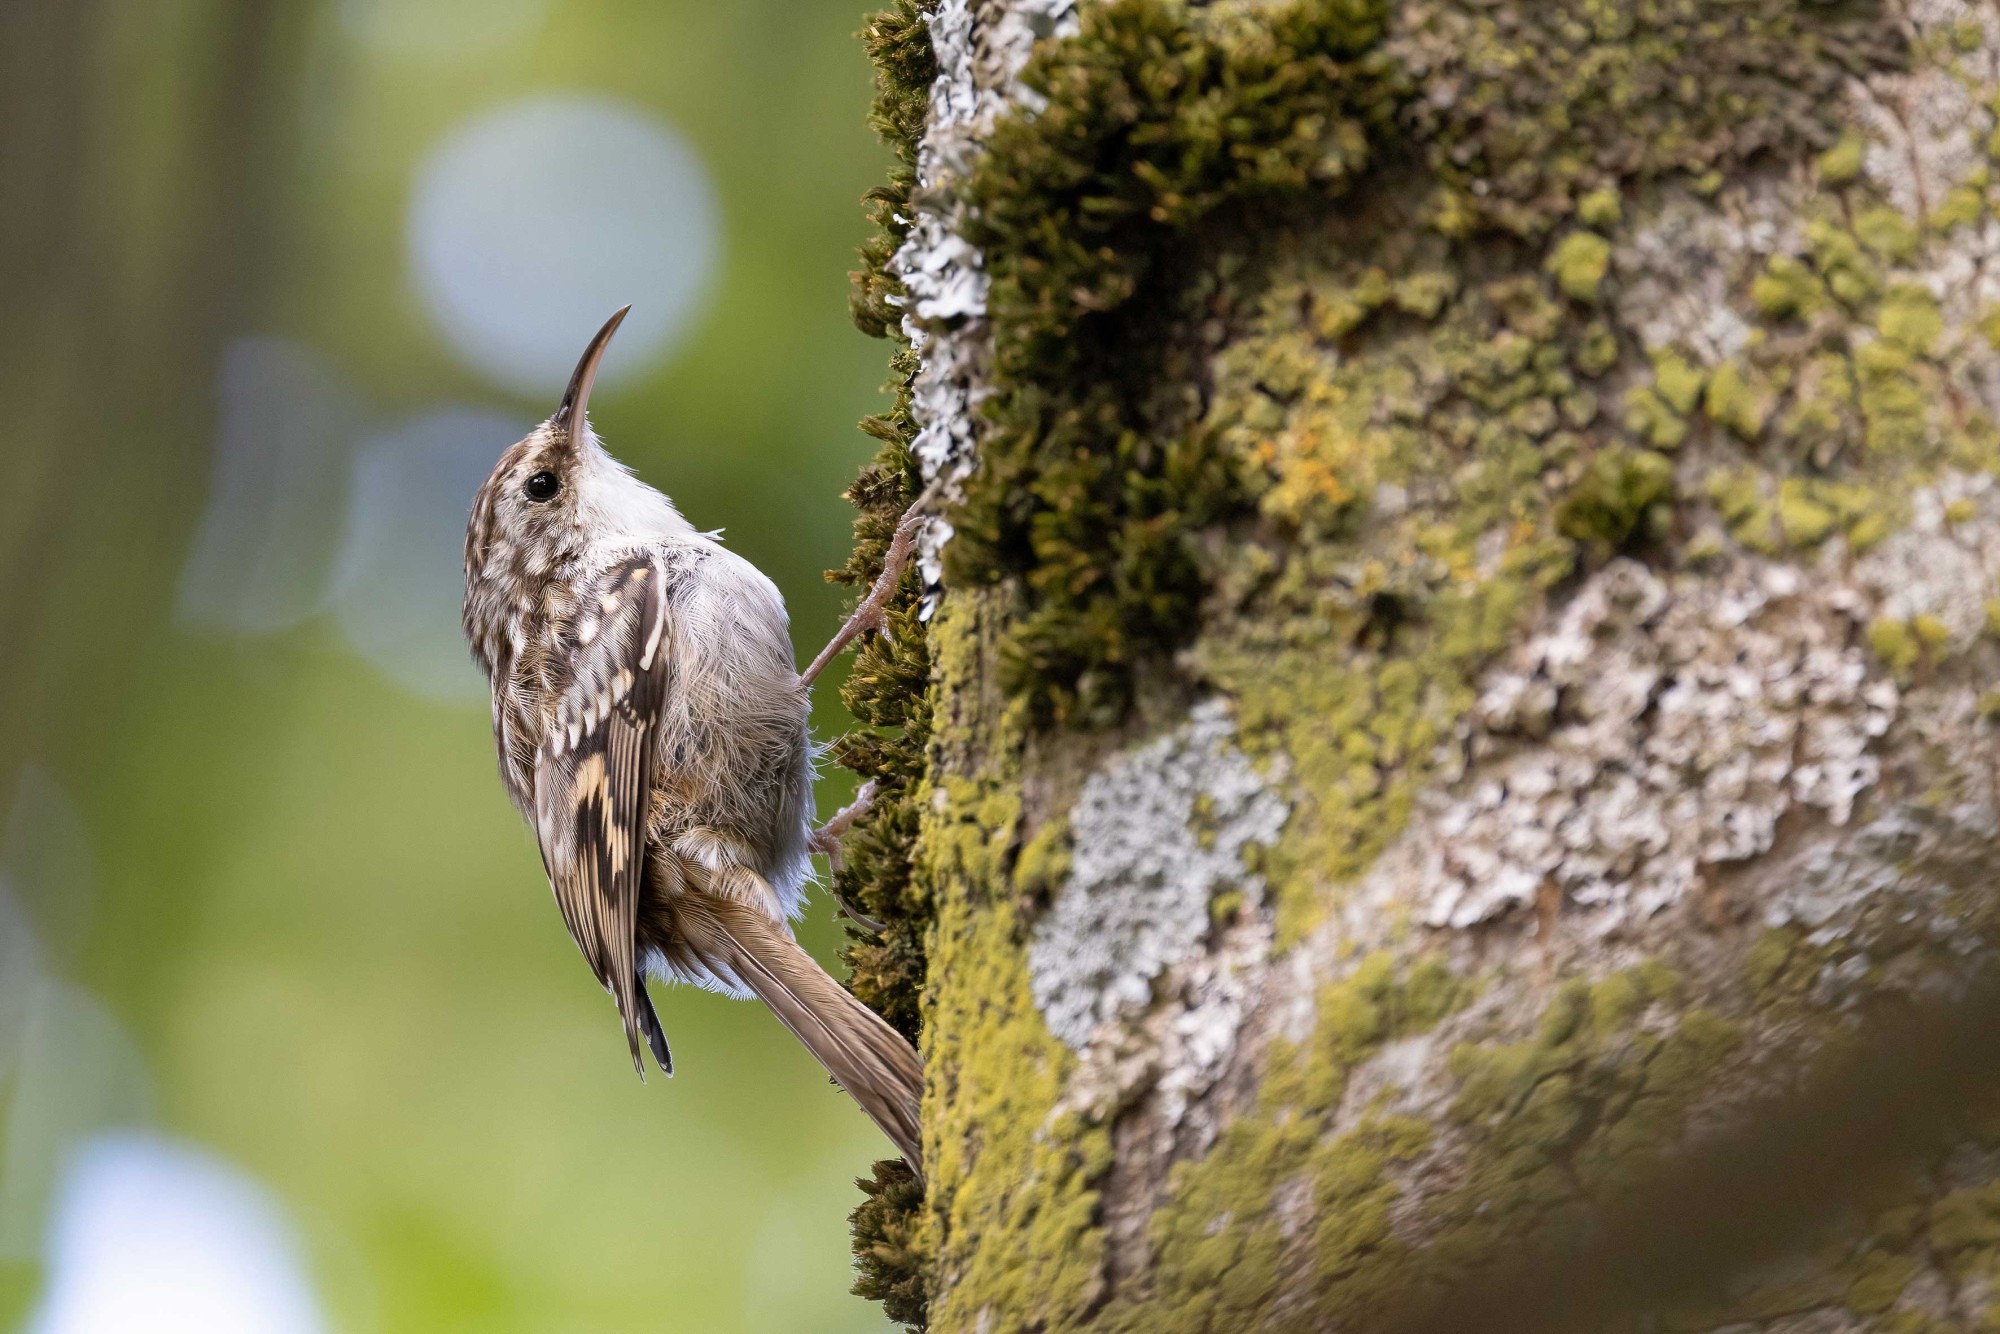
[[401, 579], [75, 1071], [533, 223], [272, 523], [154, 1237]]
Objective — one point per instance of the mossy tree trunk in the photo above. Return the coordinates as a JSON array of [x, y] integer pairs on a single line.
[[1440, 769]]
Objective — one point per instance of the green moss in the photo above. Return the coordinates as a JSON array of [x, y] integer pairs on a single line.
[[1786, 288], [1648, 416], [1963, 205], [1623, 493], [1888, 233], [1734, 401], [1044, 861], [888, 686], [1965, 1225], [1806, 522], [888, 1250], [1601, 209], [1841, 163], [1156, 120], [1989, 326], [1909, 318], [1880, 1282], [1012, 1189], [1931, 632], [1579, 263], [1677, 381], [1896, 645]]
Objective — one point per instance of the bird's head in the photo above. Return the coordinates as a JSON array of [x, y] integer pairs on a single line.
[[557, 492]]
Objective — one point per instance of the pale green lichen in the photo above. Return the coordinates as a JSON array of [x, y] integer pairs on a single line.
[[1579, 263], [1588, 1098]]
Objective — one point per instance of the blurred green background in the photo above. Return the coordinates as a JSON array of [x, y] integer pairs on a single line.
[[291, 1037]]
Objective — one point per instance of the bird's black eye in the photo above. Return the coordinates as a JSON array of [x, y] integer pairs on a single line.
[[543, 486]]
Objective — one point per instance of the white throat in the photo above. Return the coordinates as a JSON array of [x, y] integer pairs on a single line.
[[613, 504]]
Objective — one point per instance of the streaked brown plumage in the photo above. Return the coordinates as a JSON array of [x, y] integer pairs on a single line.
[[652, 727]]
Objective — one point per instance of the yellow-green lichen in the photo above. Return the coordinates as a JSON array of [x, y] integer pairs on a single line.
[[1623, 493], [1219, 1242], [1012, 1186], [1579, 263], [1591, 1097], [1735, 400]]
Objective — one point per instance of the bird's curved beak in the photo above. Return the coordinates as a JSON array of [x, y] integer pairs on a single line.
[[569, 417]]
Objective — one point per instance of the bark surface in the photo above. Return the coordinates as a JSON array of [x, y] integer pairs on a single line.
[[1453, 780]]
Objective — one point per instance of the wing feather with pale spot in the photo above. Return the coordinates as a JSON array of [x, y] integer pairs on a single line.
[[593, 781]]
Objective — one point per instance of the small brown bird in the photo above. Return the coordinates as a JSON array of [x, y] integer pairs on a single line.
[[652, 727]]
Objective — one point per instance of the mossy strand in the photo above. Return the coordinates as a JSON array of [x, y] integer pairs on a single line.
[[888, 686]]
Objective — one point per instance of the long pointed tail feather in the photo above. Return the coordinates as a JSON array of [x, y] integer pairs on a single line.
[[866, 1057]]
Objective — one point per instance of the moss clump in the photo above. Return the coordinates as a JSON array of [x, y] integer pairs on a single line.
[[1786, 288], [1897, 645], [1158, 118], [1579, 263], [888, 687], [888, 1256], [1623, 494], [1805, 521], [1735, 400]]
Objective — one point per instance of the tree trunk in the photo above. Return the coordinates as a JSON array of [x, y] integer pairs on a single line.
[[1440, 772]]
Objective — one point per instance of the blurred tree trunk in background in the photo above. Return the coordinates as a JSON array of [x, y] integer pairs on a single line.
[[140, 148], [121, 285], [1458, 782]]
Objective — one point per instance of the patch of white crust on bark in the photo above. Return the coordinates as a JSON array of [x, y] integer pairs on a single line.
[[1654, 735], [1660, 727], [1926, 128], [980, 46], [1125, 962], [1682, 264]]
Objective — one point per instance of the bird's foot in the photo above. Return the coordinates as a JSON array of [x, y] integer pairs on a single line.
[[872, 612], [826, 840]]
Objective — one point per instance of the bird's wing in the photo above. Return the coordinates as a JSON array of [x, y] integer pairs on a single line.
[[593, 776]]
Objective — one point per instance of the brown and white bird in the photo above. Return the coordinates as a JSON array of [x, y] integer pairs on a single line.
[[652, 727]]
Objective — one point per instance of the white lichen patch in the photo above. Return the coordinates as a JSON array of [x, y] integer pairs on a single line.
[[1944, 562], [1157, 836], [1927, 128], [1661, 727], [980, 49], [1919, 856], [1681, 265]]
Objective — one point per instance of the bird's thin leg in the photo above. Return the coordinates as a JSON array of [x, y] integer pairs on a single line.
[[826, 839], [870, 614]]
